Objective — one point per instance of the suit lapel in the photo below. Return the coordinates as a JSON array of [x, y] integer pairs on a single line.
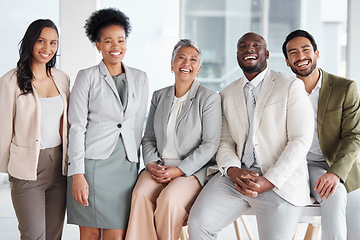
[[240, 104], [110, 82], [166, 107], [325, 91], [265, 91]]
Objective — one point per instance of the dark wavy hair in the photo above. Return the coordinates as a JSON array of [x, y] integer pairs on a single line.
[[24, 69], [104, 18], [298, 33]]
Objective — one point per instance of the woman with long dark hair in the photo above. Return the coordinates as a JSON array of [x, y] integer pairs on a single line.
[[33, 146], [106, 116]]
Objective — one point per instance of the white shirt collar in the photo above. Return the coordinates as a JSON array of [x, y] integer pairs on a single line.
[[256, 80]]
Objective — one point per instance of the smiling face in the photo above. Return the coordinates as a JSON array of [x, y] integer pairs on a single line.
[[186, 64], [112, 44], [252, 54], [301, 56], [45, 46]]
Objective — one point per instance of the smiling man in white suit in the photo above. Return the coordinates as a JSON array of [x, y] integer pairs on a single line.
[[266, 133]]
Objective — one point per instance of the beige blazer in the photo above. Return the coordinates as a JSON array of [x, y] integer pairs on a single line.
[[197, 129], [20, 126], [283, 128]]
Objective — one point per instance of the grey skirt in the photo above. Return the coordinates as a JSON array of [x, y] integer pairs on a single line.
[[110, 187]]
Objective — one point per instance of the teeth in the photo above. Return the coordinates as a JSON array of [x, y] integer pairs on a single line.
[[250, 57], [44, 55], [115, 53], [184, 70], [303, 64]]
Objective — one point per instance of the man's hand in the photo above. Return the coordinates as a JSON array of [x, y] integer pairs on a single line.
[[327, 184], [247, 182], [244, 181]]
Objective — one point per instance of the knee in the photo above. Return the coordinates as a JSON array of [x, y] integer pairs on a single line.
[[89, 233], [197, 222], [140, 194], [167, 199], [338, 200]]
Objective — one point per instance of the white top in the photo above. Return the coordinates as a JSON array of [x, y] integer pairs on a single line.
[[170, 149], [51, 112], [315, 153]]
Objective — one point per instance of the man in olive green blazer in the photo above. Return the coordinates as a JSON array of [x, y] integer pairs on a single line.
[[334, 168]]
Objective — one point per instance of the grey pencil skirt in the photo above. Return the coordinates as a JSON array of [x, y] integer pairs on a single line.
[[110, 187]]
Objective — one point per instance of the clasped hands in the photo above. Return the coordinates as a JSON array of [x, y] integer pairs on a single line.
[[163, 174], [247, 182]]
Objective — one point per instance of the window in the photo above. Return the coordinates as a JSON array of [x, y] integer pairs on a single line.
[[15, 17]]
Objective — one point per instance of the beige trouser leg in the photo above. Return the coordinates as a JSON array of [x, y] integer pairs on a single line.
[[157, 211]]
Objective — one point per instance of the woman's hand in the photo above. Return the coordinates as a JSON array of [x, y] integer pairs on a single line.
[[163, 174], [80, 189]]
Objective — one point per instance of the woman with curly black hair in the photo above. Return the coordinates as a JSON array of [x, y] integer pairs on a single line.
[[106, 115], [33, 140]]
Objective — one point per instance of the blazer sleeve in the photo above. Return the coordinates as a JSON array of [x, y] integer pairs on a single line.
[[226, 155], [350, 134], [78, 113], [140, 116], [300, 130], [149, 145], [7, 108], [211, 131]]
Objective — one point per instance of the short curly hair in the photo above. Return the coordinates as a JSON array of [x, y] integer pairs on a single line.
[[104, 18]]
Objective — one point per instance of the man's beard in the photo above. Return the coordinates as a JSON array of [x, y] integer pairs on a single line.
[[304, 73]]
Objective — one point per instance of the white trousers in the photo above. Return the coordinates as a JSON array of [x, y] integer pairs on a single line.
[[340, 214], [219, 204]]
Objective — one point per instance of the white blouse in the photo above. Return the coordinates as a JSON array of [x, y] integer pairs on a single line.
[[51, 112], [170, 149]]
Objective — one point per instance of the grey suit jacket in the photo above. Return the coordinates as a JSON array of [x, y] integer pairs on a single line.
[[197, 133], [97, 117]]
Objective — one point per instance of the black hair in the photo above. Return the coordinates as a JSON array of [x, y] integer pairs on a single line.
[[298, 33], [104, 18], [24, 65]]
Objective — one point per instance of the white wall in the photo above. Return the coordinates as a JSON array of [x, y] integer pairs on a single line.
[[76, 50], [353, 70]]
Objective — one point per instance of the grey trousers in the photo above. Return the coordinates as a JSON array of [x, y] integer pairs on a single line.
[[340, 214], [40, 205], [219, 204]]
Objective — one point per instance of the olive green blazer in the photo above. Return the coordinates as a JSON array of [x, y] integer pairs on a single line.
[[338, 123]]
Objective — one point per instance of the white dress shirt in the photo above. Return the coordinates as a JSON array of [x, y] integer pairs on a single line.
[[315, 153]]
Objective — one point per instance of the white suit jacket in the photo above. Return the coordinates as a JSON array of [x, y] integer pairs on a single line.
[[283, 129], [97, 117], [197, 129], [20, 126]]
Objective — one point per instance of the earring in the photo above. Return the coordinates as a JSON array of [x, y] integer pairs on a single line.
[[99, 51]]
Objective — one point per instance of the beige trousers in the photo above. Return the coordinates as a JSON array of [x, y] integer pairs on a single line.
[[159, 211]]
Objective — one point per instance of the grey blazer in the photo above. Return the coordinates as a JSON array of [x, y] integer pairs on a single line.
[[97, 117], [197, 133]]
